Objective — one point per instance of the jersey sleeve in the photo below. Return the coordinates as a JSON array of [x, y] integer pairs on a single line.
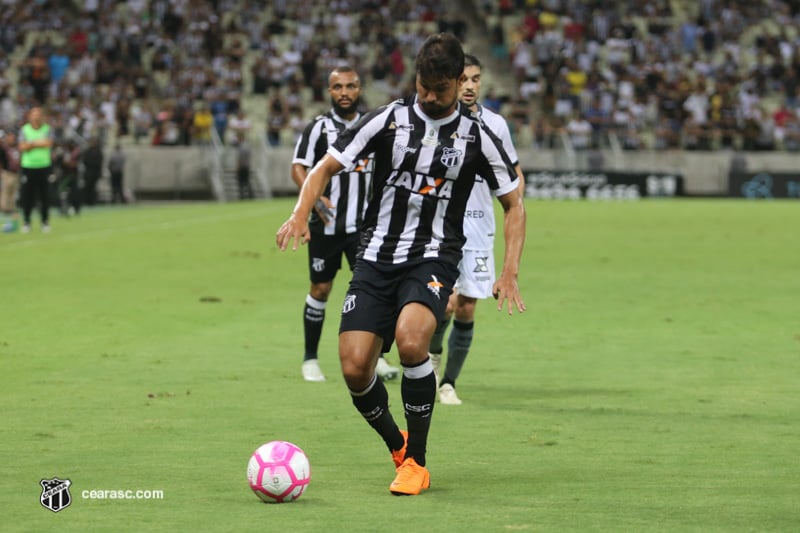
[[305, 149], [504, 135], [497, 168], [498, 125], [361, 138]]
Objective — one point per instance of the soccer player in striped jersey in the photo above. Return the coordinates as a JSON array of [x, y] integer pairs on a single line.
[[338, 214], [476, 270], [428, 151]]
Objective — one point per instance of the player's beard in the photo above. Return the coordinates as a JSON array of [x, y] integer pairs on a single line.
[[436, 110], [341, 110]]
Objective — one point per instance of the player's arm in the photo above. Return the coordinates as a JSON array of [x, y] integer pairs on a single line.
[[299, 173], [296, 226], [506, 287], [321, 206], [24, 145], [521, 178]]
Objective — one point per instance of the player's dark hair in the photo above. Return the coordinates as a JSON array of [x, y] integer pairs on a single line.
[[471, 61], [440, 56], [343, 69]]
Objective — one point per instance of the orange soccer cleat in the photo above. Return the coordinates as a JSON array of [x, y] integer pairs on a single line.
[[398, 456], [411, 479]]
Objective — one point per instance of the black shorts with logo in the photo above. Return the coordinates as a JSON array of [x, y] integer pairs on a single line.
[[377, 293], [325, 255]]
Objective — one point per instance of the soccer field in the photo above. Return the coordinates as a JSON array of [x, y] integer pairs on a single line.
[[652, 385]]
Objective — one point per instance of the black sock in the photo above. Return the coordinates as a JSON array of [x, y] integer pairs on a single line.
[[373, 404], [313, 317], [438, 337], [418, 390], [457, 349]]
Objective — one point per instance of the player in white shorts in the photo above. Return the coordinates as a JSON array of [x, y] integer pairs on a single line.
[[476, 270]]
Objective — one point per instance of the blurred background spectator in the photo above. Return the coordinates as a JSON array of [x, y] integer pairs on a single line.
[[644, 74]]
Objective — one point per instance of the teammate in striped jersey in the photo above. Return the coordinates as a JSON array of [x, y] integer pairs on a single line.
[[428, 151], [476, 270], [338, 215]]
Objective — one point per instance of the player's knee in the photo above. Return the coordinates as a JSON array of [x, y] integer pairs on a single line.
[[321, 291], [412, 348], [465, 309], [356, 376]]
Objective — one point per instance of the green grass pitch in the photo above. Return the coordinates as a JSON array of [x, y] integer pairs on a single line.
[[652, 385]]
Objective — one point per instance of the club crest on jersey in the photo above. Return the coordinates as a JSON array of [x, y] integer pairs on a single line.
[[55, 494], [435, 285], [422, 184], [481, 264], [318, 264], [451, 157], [349, 303]]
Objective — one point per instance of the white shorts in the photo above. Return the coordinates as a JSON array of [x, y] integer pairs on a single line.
[[476, 274]]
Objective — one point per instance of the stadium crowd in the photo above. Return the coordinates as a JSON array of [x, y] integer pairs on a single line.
[[655, 74]]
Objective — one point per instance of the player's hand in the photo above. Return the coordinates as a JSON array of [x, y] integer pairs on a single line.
[[293, 229], [505, 290], [324, 209]]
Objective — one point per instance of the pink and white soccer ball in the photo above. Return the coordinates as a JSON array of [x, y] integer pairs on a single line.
[[278, 472]]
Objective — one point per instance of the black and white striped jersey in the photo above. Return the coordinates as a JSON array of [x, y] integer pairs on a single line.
[[423, 174], [348, 190]]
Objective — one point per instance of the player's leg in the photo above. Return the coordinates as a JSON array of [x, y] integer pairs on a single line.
[[437, 341], [313, 320], [458, 345], [28, 199], [476, 277], [415, 326], [366, 326], [385, 371], [43, 185], [324, 260], [423, 295]]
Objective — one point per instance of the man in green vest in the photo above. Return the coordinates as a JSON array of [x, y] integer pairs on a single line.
[[36, 146]]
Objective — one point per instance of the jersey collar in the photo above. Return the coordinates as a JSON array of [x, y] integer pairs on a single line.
[[436, 122], [347, 123]]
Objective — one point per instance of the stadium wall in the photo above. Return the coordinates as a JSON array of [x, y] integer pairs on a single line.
[[183, 172]]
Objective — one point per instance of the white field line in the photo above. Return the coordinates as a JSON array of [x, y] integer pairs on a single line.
[[108, 232]]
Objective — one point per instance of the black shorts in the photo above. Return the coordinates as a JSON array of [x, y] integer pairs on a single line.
[[325, 255], [377, 293]]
